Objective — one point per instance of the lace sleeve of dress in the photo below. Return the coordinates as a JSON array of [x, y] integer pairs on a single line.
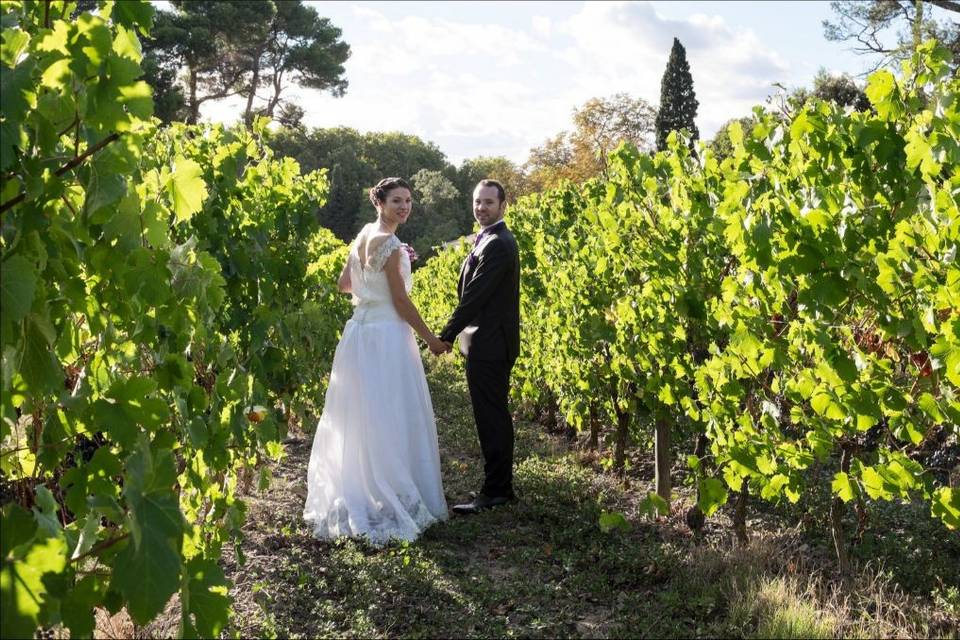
[[382, 253]]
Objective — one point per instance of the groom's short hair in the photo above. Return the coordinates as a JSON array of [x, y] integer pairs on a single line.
[[501, 192]]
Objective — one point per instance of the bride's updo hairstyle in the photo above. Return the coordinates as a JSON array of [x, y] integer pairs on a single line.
[[379, 193]]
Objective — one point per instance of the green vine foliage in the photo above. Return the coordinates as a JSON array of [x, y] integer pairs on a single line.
[[157, 286], [843, 310], [436, 284], [798, 302], [572, 335]]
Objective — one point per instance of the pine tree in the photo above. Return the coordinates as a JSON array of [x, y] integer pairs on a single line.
[[678, 102]]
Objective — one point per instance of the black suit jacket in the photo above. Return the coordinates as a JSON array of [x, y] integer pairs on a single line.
[[489, 294]]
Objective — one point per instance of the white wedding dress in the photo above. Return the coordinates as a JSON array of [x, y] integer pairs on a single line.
[[375, 465]]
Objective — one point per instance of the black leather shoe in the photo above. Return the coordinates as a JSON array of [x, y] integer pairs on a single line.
[[482, 502]]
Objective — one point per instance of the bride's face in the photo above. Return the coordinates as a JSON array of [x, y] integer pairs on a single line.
[[397, 206]]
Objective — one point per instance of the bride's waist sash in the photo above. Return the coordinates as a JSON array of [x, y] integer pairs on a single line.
[[367, 312]]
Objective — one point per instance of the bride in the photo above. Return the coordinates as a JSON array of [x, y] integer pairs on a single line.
[[375, 465]]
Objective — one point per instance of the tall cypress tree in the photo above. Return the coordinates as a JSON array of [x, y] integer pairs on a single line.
[[678, 102], [337, 214]]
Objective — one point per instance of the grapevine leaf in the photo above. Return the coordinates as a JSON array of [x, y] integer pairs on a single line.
[[14, 42], [138, 99], [55, 40], [874, 485], [111, 417], [897, 475], [792, 493], [104, 107], [94, 38], [952, 361], [946, 506], [39, 368], [929, 406], [654, 504], [132, 396], [147, 571], [17, 284], [103, 190], [774, 487], [124, 225], [16, 90], [828, 289], [209, 602], [22, 591], [45, 511], [11, 137], [843, 487], [134, 13], [88, 535], [186, 188], [881, 89], [17, 527], [917, 149], [57, 76], [844, 366], [127, 45], [174, 372], [822, 402], [610, 521], [147, 574], [155, 224], [78, 606], [766, 464], [712, 495]]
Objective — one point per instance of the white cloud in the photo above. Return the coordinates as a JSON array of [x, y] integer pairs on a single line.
[[542, 25], [421, 41]]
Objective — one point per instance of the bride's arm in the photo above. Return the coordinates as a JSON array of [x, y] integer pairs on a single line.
[[404, 306], [343, 284]]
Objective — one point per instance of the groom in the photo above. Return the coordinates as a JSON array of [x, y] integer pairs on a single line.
[[487, 321]]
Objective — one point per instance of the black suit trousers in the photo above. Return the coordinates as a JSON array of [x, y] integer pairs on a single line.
[[489, 384]]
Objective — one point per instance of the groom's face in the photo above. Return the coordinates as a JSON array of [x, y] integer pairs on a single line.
[[487, 207]]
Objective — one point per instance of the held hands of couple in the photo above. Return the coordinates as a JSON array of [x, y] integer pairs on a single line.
[[438, 346]]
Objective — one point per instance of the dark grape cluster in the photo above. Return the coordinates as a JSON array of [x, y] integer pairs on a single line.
[[940, 454]]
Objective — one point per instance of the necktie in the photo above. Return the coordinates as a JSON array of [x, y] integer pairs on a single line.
[[483, 232], [472, 258]]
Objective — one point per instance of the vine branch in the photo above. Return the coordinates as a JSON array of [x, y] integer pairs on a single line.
[[106, 544], [62, 170]]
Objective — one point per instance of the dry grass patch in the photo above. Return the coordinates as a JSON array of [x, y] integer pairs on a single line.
[[770, 594]]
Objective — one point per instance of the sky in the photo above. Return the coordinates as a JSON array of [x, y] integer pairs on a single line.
[[499, 78]]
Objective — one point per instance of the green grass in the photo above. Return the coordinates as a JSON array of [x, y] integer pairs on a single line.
[[542, 567], [775, 608]]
